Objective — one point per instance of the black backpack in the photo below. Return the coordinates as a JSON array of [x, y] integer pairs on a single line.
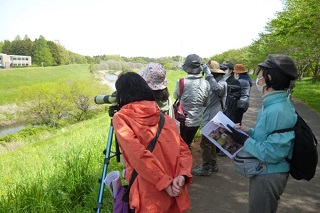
[[304, 159]]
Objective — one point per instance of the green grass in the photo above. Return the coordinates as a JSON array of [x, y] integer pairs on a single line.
[[172, 77], [308, 93], [58, 174], [12, 79]]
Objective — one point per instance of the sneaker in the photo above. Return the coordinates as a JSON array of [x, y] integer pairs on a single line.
[[215, 168], [201, 171], [221, 154]]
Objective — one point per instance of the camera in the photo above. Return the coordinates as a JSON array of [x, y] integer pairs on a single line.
[[106, 99]]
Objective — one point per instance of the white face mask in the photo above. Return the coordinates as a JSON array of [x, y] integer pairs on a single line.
[[236, 75], [259, 88]]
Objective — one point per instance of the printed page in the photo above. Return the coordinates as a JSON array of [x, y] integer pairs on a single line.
[[113, 182], [215, 131]]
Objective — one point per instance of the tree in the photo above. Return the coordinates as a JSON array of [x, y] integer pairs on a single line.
[[297, 29], [1, 46], [81, 95], [48, 103], [41, 54], [6, 48], [27, 45]]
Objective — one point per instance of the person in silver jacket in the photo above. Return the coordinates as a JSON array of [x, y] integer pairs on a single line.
[[194, 98]]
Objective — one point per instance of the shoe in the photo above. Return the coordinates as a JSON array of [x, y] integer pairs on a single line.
[[201, 171], [221, 154], [215, 168]]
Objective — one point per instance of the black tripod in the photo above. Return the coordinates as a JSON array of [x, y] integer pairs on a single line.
[[112, 110]]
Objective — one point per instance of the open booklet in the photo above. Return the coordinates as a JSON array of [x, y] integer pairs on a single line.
[[215, 130]]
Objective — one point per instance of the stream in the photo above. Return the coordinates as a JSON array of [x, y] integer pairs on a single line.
[[11, 129]]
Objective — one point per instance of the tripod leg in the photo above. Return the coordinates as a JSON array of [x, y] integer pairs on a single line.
[[105, 169]]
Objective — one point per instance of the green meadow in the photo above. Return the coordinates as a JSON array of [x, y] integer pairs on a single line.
[[11, 80], [59, 171]]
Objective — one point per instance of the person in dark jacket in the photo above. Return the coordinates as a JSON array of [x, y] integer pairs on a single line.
[[233, 92], [245, 83]]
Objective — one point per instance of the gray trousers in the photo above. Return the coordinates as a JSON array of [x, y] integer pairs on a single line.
[[265, 191]]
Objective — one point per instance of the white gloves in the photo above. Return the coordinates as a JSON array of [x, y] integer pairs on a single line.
[[206, 69]]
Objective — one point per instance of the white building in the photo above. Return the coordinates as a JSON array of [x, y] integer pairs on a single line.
[[14, 60]]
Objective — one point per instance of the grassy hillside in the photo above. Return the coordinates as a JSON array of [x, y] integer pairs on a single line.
[[12, 79], [59, 173]]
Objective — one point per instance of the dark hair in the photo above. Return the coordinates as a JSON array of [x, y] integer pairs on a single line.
[[132, 87], [278, 81], [161, 95]]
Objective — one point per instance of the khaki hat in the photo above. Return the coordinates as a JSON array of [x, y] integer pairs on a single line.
[[215, 67], [239, 68]]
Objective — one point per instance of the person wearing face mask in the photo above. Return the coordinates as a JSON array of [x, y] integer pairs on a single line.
[[233, 92], [217, 97], [276, 77]]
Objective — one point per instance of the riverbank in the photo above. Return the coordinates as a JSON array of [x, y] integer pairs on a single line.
[[10, 114]]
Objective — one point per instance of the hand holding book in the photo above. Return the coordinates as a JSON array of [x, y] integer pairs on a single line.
[[237, 136]]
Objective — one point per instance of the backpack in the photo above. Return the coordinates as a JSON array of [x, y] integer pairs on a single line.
[[304, 160]]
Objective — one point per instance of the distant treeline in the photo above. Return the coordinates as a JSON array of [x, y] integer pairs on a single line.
[[52, 53]]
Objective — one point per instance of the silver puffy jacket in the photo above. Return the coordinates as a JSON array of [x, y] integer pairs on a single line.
[[194, 99]]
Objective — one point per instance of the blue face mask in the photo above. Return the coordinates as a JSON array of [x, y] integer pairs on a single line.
[[259, 88]]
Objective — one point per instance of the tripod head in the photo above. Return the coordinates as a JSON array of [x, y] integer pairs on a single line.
[[113, 109]]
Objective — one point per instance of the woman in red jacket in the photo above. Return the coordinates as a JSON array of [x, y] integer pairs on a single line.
[[165, 173]]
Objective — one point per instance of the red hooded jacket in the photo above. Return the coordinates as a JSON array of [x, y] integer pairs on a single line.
[[135, 126]]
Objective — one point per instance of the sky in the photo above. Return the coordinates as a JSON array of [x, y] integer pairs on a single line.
[[132, 28]]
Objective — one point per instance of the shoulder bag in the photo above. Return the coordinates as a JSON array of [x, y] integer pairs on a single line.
[[178, 111]]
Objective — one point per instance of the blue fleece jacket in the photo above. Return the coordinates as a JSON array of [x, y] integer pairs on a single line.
[[276, 113]]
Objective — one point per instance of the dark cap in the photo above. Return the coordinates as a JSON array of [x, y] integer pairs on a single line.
[[228, 64], [283, 63], [192, 64], [223, 67]]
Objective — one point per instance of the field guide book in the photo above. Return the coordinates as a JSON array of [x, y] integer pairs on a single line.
[[215, 130]]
